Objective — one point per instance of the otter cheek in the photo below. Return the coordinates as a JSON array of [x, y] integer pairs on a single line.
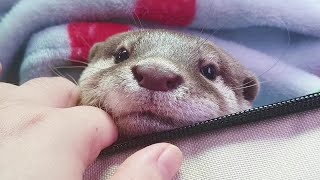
[[251, 89], [116, 99]]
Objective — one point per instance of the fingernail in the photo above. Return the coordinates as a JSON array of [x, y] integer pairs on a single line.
[[170, 161]]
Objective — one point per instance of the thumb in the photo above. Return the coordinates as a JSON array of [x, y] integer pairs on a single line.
[[159, 162]]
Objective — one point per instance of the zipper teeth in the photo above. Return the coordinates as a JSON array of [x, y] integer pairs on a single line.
[[295, 105]]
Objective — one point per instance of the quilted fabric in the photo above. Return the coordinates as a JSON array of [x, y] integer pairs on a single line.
[[66, 44], [279, 148], [275, 39]]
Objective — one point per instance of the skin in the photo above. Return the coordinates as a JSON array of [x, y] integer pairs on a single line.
[[137, 110], [44, 135]]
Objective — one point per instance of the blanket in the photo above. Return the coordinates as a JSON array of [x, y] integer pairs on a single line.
[[277, 40]]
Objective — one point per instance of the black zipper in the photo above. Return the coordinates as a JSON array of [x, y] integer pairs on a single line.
[[295, 105]]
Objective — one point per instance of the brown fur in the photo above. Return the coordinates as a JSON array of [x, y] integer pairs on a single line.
[[106, 85]]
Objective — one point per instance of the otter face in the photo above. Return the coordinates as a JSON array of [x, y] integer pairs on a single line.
[[155, 80]]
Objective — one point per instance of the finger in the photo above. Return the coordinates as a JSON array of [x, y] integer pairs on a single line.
[[63, 144], [49, 91], [159, 162], [87, 130], [6, 88]]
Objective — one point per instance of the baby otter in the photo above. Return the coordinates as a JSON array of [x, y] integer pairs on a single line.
[[156, 80]]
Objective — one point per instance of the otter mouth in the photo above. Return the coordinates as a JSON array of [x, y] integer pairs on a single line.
[[151, 116]]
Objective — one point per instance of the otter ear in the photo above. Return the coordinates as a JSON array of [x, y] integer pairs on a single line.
[[94, 50], [251, 88]]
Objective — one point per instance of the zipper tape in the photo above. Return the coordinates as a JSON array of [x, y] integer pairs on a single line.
[[291, 106]]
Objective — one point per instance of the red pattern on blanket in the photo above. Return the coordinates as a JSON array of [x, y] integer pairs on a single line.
[[84, 35], [167, 12]]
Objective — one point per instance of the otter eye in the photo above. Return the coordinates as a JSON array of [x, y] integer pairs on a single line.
[[121, 55], [209, 72]]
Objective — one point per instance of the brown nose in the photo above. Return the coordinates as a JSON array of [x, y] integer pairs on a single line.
[[155, 78]]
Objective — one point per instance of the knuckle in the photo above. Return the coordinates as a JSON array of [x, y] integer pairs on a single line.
[[95, 113], [88, 114], [48, 80]]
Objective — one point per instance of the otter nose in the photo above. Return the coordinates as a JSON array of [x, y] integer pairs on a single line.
[[155, 78]]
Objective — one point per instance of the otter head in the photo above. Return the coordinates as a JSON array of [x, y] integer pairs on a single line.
[[155, 80]]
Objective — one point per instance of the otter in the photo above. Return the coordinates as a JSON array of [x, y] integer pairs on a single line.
[[154, 80]]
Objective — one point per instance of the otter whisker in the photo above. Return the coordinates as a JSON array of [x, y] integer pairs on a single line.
[[206, 39], [69, 67], [74, 60], [138, 19], [57, 73], [243, 87], [134, 20], [203, 42], [99, 103], [279, 58], [73, 80]]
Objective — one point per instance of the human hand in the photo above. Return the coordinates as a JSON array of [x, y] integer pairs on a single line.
[[44, 135]]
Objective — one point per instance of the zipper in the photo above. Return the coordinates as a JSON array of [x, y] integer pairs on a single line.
[[295, 105]]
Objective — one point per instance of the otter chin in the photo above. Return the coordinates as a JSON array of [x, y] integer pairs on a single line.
[[137, 123], [157, 80]]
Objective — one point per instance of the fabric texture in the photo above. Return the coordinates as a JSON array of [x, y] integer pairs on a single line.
[[279, 148], [62, 45], [274, 39], [27, 17]]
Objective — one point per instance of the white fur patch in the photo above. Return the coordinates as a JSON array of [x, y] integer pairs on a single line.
[[229, 95]]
